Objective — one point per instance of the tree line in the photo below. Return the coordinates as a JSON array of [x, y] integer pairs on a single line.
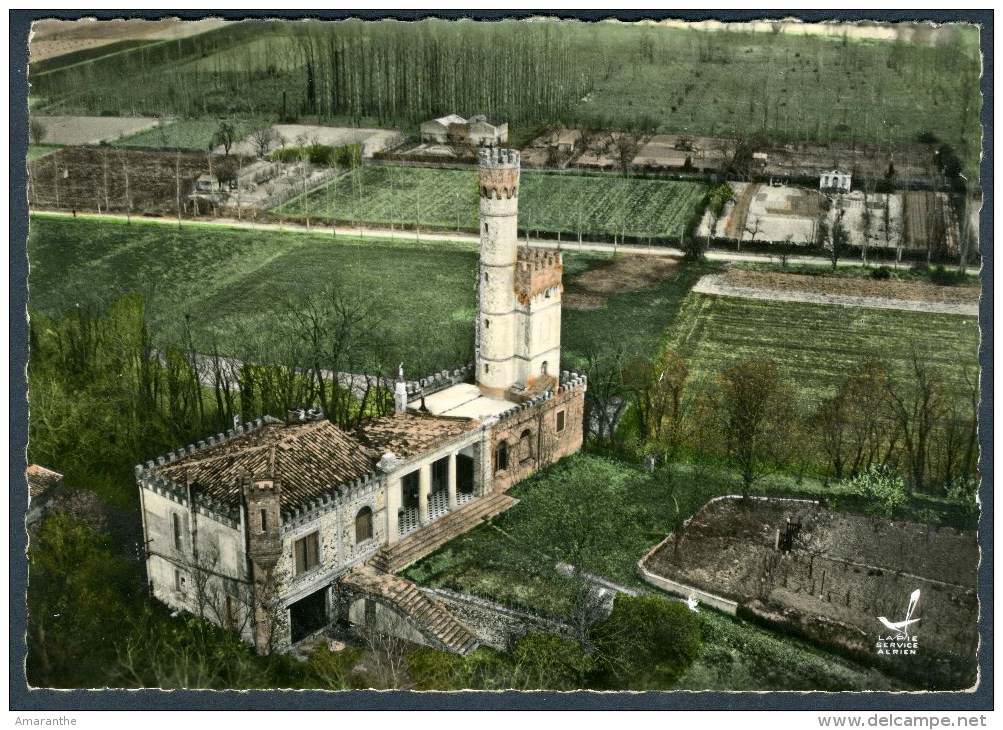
[[921, 423]]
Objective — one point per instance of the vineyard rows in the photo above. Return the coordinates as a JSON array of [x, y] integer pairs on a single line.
[[548, 204]]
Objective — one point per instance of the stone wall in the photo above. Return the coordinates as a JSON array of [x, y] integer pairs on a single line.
[[496, 625], [545, 444]]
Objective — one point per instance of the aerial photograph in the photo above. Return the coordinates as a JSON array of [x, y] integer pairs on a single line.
[[520, 353]]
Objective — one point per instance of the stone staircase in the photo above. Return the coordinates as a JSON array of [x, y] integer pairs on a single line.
[[432, 619], [421, 542]]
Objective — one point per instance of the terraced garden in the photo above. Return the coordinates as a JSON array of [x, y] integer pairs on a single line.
[[549, 204]]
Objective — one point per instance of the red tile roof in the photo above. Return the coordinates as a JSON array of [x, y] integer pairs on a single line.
[[309, 459], [410, 434], [41, 480]]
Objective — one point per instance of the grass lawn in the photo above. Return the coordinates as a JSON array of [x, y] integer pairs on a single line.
[[235, 283], [605, 515], [817, 346], [41, 150], [549, 204]]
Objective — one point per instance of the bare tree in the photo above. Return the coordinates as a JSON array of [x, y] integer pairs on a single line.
[[752, 227], [918, 408], [625, 146], [37, 131], [606, 396], [263, 140], [226, 135], [388, 650]]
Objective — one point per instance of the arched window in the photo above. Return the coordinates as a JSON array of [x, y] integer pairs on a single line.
[[364, 525], [543, 368], [501, 457], [526, 445], [487, 324]]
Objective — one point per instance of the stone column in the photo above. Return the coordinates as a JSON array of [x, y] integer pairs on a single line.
[[451, 482], [395, 498], [424, 479]]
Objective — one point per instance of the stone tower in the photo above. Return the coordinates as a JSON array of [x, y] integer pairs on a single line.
[[264, 548], [518, 332]]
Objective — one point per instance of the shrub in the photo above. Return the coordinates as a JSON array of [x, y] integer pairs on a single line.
[[545, 661], [943, 277], [882, 273], [647, 642], [882, 486], [433, 669]]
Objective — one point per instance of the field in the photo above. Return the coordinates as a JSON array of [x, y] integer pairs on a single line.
[[673, 79], [91, 130], [53, 38], [41, 150], [186, 134], [108, 179], [227, 279], [548, 204], [817, 346]]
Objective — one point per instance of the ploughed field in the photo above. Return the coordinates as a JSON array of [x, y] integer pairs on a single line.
[[104, 179], [815, 345], [549, 204]]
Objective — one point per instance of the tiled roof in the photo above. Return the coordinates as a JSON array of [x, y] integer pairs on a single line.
[[41, 480], [310, 459], [409, 434]]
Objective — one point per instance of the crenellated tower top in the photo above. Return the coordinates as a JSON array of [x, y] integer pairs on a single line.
[[499, 173]]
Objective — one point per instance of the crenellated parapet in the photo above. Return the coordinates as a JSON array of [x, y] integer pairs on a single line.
[[499, 173], [537, 272], [356, 489], [440, 381]]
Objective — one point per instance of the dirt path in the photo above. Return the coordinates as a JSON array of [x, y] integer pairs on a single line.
[[718, 285]]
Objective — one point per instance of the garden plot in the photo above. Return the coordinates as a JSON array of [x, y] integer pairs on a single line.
[[74, 130], [671, 151], [830, 575], [773, 214], [371, 140]]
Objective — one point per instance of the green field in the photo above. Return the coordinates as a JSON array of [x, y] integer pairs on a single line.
[[41, 150], [607, 205], [186, 134], [235, 283], [816, 346]]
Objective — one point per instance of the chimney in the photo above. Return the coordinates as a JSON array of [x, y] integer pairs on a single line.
[[400, 392]]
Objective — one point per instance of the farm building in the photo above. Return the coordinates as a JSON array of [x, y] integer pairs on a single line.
[[835, 180], [477, 131], [278, 528]]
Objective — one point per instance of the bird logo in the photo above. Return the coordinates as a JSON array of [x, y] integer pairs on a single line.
[[899, 627]]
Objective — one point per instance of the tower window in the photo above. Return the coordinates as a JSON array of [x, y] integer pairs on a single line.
[[487, 323], [264, 521], [560, 421], [485, 276], [486, 229], [543, 368], [487, 368]]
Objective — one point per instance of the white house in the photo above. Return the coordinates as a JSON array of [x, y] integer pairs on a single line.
[[835, 181]]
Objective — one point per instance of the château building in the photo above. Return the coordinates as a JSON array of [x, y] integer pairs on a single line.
[[279, 527]]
